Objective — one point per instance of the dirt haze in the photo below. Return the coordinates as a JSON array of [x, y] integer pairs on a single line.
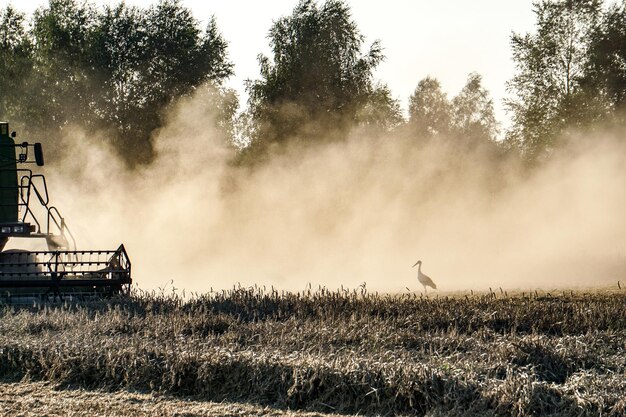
[[343, 213]]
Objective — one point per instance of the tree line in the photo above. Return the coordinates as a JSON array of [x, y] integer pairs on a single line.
[[118, 69], [115, 69]]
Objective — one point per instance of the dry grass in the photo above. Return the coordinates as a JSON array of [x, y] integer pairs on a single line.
[[36, 399], [344, 351]]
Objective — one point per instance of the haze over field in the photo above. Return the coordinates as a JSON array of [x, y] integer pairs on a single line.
[[362, 210]]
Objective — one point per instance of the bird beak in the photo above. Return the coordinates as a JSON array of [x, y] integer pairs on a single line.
[[415, 263]]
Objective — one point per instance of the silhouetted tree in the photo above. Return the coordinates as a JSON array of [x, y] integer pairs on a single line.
[[473, 118], [119, 52], [381, 112], [429, 110], [317, 81], [16, 64], [62, 71], [550, 67], [117, 69], [147, 60], [606, 72]]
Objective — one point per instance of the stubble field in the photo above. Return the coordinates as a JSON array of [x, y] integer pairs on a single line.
[[251, 351]]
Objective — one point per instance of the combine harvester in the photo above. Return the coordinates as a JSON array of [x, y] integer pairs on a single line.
[[60, 272]]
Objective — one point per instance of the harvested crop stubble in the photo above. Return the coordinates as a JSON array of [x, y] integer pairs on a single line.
[[347, 352], [36, 399]]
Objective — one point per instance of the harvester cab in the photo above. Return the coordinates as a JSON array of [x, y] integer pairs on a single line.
[[25, 212]]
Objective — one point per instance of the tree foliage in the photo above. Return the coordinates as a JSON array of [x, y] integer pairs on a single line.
[[468, 117], [149, 58], [551, 69], [430, 111], [317, 81], [118, 68], [62, 71], [16, 62], [606, 71], [473, 118], [115, 69], [381, 112]]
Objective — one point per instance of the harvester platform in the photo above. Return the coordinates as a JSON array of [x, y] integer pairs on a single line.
[[61, 272], [31, 275]]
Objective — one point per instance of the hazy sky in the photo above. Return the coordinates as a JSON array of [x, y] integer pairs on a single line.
[[446, 39]]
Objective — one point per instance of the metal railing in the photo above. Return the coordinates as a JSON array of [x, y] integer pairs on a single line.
[[55, 225], [62, 270]]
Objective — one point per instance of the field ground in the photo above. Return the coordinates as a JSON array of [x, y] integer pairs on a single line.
[[250, 352], [36, 399]]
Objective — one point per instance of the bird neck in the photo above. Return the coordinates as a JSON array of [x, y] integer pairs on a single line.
[[419, 267]]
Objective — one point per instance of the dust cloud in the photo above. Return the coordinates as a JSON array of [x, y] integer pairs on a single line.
[[346, 212]]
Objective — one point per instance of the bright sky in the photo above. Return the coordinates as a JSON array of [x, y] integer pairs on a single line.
[[446, 39]]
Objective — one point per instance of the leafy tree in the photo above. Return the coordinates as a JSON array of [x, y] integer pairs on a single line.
[[15, 64], [473, 117], [179, 56], [381, 112], [147, 59], [606, 72], [468, 117], [118, 50], [429, 109], [117, 69], [62, 71], [317, 81], [550, 67]]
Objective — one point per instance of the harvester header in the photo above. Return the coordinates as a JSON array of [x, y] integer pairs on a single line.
[[25, 212]]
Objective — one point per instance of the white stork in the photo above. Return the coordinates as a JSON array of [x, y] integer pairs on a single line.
[[424, 279]]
